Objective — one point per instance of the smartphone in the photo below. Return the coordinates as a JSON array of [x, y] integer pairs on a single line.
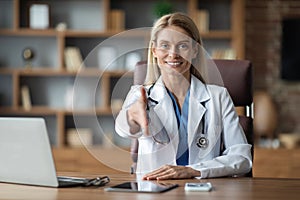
[[201, 187], [142, 186]]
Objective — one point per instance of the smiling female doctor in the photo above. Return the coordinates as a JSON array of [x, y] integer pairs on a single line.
[[186, 128]]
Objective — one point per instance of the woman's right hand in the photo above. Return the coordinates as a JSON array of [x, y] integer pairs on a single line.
[[137, 115]]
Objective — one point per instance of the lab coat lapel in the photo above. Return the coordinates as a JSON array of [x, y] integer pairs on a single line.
[[164, 109], [198, 95]]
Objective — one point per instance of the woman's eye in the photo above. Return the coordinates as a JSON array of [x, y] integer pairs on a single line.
[[164, 46], [183, 46]]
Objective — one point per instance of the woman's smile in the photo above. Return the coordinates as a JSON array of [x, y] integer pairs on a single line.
[[174, 63]]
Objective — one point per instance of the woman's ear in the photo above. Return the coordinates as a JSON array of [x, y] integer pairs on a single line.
[[153, 49], [195, 51]]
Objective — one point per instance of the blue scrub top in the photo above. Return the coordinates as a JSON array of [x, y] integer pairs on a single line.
[[182, 157]]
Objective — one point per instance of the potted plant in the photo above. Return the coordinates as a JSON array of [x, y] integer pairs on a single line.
[[162, 8]]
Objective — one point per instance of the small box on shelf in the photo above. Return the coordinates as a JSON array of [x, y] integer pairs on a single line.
[[79, 137], [131, 59], [107, 56], [117, 20]]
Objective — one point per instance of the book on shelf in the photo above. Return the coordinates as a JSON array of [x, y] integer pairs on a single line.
[[228, 53], [117, 20], [73, 59], [25, 95], [202, 20]]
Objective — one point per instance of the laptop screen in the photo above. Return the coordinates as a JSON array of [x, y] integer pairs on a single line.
[[25, 152]]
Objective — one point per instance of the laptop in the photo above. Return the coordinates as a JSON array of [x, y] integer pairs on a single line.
[[26, 156]]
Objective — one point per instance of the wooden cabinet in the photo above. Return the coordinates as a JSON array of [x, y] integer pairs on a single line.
[[88, 26], [276, 163]]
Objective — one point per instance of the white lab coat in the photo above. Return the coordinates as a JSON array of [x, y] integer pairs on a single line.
[[222, 130]]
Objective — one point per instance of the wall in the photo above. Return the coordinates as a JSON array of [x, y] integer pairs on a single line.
[[263, 45]]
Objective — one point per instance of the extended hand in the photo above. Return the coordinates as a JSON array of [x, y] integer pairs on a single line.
[[137, 116], [172, 172]]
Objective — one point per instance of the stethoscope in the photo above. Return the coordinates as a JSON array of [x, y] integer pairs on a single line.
[[201, 142]]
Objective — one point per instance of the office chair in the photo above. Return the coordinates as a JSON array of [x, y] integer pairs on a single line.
[[237, 78]]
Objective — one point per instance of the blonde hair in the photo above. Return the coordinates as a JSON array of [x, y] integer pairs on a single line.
[[186, 23]]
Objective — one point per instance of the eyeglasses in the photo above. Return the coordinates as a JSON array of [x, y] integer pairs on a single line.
[[156, 128], [98, 181]]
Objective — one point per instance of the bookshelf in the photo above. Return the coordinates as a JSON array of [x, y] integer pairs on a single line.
[[85, 24]]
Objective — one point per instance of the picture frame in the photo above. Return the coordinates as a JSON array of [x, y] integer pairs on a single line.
[[39, 15]]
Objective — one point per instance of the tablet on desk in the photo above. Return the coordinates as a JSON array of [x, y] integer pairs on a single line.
[[142, 186]]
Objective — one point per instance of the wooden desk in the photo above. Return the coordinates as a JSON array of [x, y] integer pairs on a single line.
[[224, 188], [268, 163]]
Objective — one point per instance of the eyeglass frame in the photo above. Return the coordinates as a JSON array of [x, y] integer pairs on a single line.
[[98, 181]]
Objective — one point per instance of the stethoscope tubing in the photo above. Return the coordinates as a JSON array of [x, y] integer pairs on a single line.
[[202, 141]]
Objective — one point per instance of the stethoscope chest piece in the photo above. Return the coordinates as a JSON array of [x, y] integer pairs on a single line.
[[202, 142]]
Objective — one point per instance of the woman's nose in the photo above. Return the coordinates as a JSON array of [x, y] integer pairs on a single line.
[[173, 52]]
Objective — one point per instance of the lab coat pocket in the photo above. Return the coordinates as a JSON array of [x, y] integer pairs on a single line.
[[212, 137]]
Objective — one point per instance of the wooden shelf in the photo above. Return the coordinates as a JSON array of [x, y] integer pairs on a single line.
[[45, 110], [86, 34], [57, 72], [29, 32], [48, 72], [216, 35], [37, 110], [7, 70], [67, 33]]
